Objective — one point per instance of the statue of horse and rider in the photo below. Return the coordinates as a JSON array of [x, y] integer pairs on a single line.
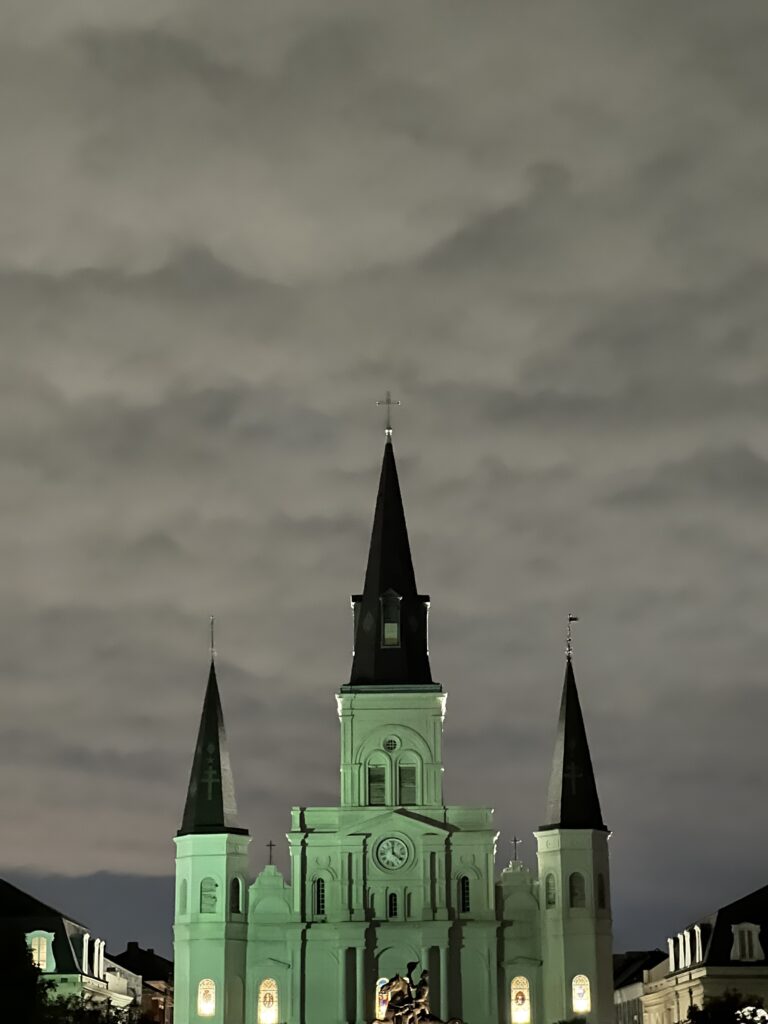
[[408, 1001]]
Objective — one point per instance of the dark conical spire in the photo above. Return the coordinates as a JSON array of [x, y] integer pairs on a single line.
[[572, 800], [210, 806], [390, 616]]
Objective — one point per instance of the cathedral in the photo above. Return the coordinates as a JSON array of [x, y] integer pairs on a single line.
[[392, 875]]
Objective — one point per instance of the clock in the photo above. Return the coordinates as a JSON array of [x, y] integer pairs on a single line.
[[391, 853]]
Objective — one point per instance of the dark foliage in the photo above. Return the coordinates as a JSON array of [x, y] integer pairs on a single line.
[[722, 1009]]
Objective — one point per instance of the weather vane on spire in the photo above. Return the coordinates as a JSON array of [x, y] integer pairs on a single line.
[[569, 636], [213, 644], [389, 403]]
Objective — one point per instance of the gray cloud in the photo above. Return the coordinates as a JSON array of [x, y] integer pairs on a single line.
[[225, 233]]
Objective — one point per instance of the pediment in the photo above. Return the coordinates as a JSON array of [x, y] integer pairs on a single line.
[[398, 819]]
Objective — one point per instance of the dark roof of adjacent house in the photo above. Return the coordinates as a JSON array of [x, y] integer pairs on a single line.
[[717, 933], [146, 962], [628, 967], [18, 909]]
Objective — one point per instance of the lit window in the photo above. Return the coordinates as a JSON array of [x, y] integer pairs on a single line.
[[390, 620], [208, 889], [377, 775], [39, 947], [382, 998], [319, 897], [206, 998], [550, 891], [183, 896], [268, 1004], [392, 905], [464, 900], [582, 1002], [520, 995], [407, 784], [235, 906], [576, 890]]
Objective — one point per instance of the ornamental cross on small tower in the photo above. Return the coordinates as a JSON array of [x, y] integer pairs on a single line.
[[388, 402], [270, 847], [515, 843]]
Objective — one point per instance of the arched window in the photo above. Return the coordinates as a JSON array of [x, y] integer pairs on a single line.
[[464, 900], [581, 1001], [390, 619], [267, 1012], [577, 893], [318, 897], [206, 998], [392, 905], [377, 785], [382, 998], [550, 891], [208, 889], [602, 899], [520, 997], [183, 896], [406, 783], [235, 897]]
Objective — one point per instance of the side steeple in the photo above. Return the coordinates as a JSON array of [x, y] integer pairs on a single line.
[[210, 806], [390, 616], [572, 800]]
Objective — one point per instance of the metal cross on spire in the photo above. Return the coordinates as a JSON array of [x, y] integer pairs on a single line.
[[213, 644], [569, 637], [389, 403], [515, 843], [270, 847]]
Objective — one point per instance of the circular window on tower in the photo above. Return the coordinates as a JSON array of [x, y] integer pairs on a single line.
[[391, 743]]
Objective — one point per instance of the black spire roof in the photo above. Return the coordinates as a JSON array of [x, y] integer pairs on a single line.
[[210, 806], [572, 800], [390, 583]]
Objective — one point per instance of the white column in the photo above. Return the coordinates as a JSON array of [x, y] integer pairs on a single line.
[[86, 937], [443, 983], [343, 985], [102, 944], [671, 947], [359, 985]]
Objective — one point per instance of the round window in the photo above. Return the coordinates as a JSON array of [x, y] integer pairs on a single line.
[[391, 743]]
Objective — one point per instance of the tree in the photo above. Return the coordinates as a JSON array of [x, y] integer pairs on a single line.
[[24, 994], [723, 1009]]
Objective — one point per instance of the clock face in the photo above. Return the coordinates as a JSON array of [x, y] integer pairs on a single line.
[[392, 853]]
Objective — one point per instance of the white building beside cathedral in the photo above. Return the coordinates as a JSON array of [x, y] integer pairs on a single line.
[[392, 875]]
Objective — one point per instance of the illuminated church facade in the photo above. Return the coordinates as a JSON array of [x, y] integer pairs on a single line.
[[392, 874]]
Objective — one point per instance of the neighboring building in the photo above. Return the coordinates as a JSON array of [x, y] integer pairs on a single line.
[[156, 980], [726, 950], [66, 952], [392, 874], [628, 972]]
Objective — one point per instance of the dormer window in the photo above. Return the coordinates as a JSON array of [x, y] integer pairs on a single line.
[[746, 942], [390, 619]]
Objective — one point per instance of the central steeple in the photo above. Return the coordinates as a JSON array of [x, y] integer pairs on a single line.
[[390, 616]]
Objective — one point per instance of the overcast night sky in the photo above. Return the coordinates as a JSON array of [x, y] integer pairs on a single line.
[[225, 230]]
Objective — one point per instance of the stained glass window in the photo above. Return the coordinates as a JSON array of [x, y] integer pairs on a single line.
[[206, 998], [520, 995], [582, 1001], [268, 1003], [382, 998]]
